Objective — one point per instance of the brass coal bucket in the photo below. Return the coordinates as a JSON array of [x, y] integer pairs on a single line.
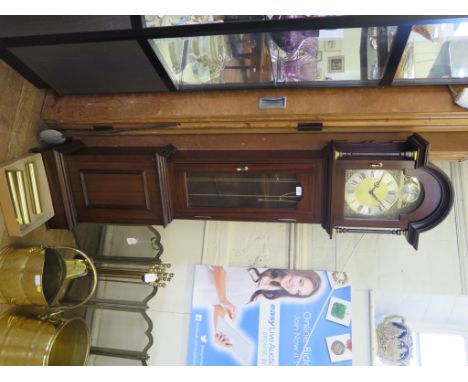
[[35, 276], [43, 341]]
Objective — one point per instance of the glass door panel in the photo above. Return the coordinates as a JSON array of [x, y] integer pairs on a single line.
[[435, 51], [339, 55], [350, 56], [378, 43], [207, 61], [243, 190]]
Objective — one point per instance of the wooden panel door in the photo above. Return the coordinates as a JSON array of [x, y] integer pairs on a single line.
[[115, 188]]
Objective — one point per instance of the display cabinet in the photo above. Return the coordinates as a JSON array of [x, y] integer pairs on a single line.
[[270, 186], [159, 53], [272, 57]]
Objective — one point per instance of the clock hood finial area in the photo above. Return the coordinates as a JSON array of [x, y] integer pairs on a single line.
[[441, 209]]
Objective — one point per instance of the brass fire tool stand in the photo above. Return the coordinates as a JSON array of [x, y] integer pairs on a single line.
[[132, 271]]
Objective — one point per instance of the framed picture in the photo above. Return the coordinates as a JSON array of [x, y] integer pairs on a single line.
[[336, 64], [339, 348], [332, 45], [338, 280], [339, 311], [318, 57], [318, 73]]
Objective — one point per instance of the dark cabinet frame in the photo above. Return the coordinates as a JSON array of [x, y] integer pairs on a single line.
[[141, 35]]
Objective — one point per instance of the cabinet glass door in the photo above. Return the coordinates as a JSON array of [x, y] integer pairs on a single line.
[[243, 190], [435, 52], [327, 57], [248, 191], [315, 57], [210, 61]]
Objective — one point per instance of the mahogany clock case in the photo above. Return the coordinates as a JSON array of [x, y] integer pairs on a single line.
[[428, 176], [125, 185], [409, 157]]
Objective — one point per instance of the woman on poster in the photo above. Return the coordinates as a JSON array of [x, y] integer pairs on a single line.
[[229, 289]]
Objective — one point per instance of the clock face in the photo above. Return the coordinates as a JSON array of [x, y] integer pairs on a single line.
[[380, 194]]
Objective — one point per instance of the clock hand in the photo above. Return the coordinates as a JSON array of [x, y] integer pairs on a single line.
[[377, 184], [371, 192]]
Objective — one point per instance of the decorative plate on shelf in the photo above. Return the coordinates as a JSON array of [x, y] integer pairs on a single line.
[[394, 341]]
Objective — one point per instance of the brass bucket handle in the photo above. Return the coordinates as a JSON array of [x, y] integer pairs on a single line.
[[95, 280]]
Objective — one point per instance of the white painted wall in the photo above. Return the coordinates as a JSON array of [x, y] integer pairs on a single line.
[[374, 262], [425, 311]]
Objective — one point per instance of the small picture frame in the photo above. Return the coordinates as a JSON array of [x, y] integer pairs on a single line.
[[340, 348], [339, 311], [318, 73], [338, 280], [332, 45], [336, 64]]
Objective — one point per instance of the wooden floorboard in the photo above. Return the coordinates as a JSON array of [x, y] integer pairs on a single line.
[[20, 107]]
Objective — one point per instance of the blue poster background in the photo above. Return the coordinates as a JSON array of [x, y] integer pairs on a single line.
[[303, 330]]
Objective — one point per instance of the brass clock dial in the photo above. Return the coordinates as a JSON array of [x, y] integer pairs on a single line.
[[371, 192], [380, 194]]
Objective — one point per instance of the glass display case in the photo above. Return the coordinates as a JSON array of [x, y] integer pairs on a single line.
[[203, 52], [435, 52], [213, 59], [311, 57]]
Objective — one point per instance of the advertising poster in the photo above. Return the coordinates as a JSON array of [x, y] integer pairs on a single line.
[[268, 317]]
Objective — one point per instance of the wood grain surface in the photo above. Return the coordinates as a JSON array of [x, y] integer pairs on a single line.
[[232, 120]]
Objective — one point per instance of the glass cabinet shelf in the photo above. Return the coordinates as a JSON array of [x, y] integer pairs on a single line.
[[155, 21]]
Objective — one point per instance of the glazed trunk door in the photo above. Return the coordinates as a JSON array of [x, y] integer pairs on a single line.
[[245, 192]]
